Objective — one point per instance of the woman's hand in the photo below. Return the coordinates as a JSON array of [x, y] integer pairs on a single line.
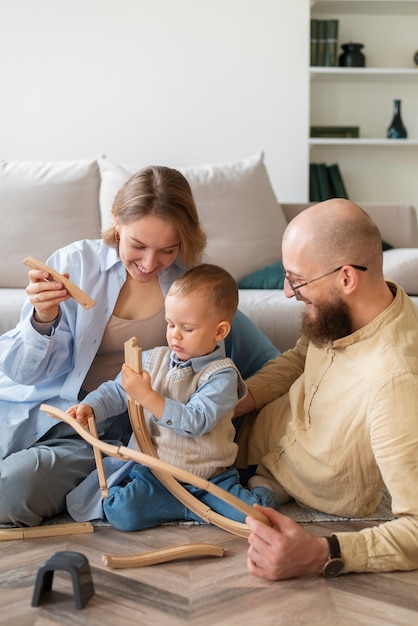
[[81, 413], [45, 294], [283, 550]]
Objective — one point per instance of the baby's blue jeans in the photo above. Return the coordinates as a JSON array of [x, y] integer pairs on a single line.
[[144, 502]]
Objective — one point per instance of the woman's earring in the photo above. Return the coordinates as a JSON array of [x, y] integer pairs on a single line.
[[117, 236]]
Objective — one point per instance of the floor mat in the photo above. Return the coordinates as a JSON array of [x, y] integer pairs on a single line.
[[299, 514], [292, 509]]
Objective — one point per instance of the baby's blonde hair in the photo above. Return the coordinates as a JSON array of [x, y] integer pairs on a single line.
[[212, 282]]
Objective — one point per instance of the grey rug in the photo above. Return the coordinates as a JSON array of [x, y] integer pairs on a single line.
[[292, 509], [299, 514]]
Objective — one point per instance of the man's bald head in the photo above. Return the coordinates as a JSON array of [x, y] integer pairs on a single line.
[[335, 232]]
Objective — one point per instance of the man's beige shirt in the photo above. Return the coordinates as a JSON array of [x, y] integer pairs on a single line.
[[342, 423]]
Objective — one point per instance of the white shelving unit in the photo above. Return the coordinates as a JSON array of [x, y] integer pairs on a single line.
[[344, 73], [364, 96], [365, 7], [367, 75], [403, 143]]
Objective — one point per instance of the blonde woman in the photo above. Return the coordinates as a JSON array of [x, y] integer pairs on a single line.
[[59, 351]]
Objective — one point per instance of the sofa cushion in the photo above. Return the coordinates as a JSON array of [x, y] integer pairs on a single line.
[[401, 266], [277, 316], [236, 204], [45, 205]]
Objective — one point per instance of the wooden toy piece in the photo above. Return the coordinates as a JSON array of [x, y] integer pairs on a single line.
[[99, 460], [129, 454], [75, 292], [52, 530], [133, 358], [163, 555]]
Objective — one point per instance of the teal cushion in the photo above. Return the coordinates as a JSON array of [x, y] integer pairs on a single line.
[[272, 277], [269, 277]]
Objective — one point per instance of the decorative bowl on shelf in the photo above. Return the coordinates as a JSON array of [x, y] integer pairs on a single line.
[[352, 55]]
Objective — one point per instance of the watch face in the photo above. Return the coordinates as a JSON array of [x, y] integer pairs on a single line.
[[333, 567]]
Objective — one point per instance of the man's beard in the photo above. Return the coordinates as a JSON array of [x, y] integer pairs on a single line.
[[331, 322]]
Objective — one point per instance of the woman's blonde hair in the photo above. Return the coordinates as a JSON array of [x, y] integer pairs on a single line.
[[165, 193]]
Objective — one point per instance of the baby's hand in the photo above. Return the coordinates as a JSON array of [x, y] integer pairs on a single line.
[[138, 386], [81, 413]]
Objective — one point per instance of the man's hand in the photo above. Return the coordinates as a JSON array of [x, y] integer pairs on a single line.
[[283, 550], [81, 413]]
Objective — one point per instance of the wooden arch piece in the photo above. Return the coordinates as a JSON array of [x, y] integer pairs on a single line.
[[169, 475], [133, 358]]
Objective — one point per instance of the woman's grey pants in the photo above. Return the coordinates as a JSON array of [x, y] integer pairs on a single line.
[[34, 482]]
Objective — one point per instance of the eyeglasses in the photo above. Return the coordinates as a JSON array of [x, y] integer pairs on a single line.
[[294, 286]]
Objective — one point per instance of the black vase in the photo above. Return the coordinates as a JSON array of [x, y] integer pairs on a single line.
[[352, 55], [396, 129]]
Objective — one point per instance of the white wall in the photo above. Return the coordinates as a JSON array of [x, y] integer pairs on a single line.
[[175, 82]]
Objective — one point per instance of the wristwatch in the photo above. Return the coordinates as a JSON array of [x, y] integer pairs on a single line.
[[335, 564]]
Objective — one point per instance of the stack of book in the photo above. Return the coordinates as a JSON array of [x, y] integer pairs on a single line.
[[324, 42], [325, 182]]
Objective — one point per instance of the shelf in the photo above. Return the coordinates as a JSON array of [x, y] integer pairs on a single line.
[[365, 7], [315, 141], [344, 96], [359, 73]]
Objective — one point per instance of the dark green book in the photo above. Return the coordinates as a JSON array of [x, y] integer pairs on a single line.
[[331, 43], [314, 195], [314, 42], [325, 188], [322, 34], [337, 182], [348, 132]]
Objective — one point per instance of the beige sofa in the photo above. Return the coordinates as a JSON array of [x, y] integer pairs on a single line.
[[46, 205]]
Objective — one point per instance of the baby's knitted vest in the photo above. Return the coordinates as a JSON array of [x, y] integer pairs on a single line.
[[207, 455]]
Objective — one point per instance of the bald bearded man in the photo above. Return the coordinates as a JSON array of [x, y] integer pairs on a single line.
[[335, 420]]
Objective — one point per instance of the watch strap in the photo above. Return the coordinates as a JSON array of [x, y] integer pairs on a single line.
[[334, 547], [335, 564]]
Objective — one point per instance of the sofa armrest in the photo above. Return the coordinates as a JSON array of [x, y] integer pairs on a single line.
[[292, 209], [398, 223]]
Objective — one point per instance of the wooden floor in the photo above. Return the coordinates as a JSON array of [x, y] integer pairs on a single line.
[[200, 592]]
